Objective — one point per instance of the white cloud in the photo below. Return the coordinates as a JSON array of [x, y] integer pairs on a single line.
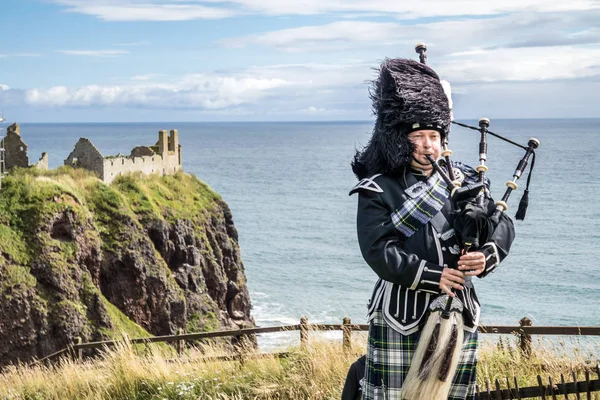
[[300, 87], [163, 10], [557, 45], [525, 29], [3, 87], [19, 55], [94, 53], [522, 64], [144, 11], [145, 77], [338, 34], [321, 112], [530, 46], [269, 90], [313, 110], [193, 91], [407, 10]]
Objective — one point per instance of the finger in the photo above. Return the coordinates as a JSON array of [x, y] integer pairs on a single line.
[[455, 272], [467, 268], [471, 263], [472, 254], [454, 280], [448, 291], [478, 270]]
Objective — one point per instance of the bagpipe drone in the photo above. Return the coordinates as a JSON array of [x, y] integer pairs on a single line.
[[436, 358]]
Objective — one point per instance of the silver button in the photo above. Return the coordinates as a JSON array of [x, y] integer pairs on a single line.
[[445, 265], [425, 269], [403, 321], [443, 249]]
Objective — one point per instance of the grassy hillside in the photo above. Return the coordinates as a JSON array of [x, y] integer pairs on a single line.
[[317, 372], [82, 259]]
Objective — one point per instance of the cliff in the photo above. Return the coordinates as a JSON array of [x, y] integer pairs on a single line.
[[144, 255]]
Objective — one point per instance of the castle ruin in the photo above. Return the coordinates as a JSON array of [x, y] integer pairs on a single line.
[[163, 158], [15, 150]]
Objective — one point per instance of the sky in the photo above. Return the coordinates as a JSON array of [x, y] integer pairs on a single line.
[[290, 60]]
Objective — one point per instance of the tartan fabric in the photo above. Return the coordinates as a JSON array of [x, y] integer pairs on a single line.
[[389, 354], [426, 199]]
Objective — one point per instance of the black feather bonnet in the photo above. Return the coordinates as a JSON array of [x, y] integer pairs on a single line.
[[407, 96]]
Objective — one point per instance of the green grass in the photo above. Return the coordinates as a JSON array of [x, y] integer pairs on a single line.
[[171, 197], [29, 196], [315, 372], [122, 324], [109, 217], [13, 245], [207, 322], [16, 276]]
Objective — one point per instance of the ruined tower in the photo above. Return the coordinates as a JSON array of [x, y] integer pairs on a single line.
[[174, 141], [15, 148], [163, 143]]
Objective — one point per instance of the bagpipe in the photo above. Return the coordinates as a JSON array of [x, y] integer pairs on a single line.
[[470, 218], [436, 358]]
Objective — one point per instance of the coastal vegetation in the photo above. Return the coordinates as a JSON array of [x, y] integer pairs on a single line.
[[84, 260], [316, 371]]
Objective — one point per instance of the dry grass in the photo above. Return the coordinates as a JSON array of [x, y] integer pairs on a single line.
[[316, 372], [501, 359]]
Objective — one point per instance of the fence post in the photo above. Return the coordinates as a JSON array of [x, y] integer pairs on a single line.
[[78, 341], [525, 338], [303, 331], [347, 338], [179, 343]]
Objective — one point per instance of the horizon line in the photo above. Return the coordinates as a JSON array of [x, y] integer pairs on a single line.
[[283, 121]]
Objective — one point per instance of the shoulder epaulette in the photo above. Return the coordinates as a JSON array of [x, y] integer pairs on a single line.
[[367, 184]]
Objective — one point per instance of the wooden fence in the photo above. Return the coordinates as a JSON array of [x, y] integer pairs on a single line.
[[553, 390], [523, 332]]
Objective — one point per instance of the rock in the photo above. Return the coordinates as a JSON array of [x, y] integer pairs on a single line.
[[91, 262]]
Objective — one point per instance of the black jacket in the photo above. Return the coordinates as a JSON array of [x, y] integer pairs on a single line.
[[354, 380], [410, 268]]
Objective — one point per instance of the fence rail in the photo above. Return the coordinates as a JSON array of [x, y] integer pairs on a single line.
[[523, 333], [490, 392], [551, 391]]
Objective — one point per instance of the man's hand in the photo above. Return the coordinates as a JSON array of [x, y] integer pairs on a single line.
[[452, 278], [472, 264]]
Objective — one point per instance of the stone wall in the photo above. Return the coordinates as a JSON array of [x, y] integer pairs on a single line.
[[86, 155], [42, 162], [154, 164], [141, 151], [15, 149], [163, 158]]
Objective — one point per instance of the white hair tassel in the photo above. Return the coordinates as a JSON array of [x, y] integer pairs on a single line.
[[448, 92]]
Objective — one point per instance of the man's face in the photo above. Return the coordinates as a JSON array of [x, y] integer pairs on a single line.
[[425, 141]]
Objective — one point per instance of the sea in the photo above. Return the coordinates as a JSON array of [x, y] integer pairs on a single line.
[[287, 185]]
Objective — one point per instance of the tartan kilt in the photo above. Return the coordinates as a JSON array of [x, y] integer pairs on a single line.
[[389, 354]]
